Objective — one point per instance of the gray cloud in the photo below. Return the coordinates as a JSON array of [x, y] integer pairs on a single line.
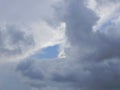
[[14, 42], [92, 61], [24, 31]]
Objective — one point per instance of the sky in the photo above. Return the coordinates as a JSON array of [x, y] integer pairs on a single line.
[[59, 44]]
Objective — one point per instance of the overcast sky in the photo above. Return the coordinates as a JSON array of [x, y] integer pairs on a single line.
[[59, 45]]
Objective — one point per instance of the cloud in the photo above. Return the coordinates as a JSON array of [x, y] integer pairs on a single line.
[[102, 9], [69, 75], [92, 59], [19, 42], [9, 79], [14, 41], [25, 27]]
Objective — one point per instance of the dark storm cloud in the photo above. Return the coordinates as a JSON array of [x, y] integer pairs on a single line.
[[92, 61]]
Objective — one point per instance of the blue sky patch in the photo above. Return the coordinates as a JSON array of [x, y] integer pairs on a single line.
[[48, 53]]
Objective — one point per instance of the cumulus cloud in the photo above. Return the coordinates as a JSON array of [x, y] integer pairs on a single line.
[[92, 58]]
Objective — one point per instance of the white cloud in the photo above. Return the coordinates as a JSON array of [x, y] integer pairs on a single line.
[[104, 9]]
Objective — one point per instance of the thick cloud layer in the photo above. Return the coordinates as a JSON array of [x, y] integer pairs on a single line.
[[92, 61]]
